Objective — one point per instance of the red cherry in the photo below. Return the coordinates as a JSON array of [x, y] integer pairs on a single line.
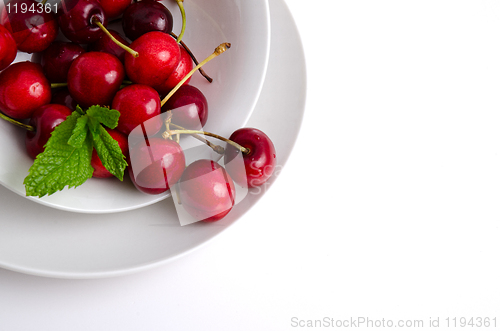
[[62, 97], [8, 48], [23, 88], [206, 191], [183, 68], [32, 30], [189, 107], [94, 78], [259, 163], [44, 120], [106, 45], [99, 170], [159, 56], [138, 103], [155, 164], [114, 8], [75, 19], [57, 59], [146, 16]]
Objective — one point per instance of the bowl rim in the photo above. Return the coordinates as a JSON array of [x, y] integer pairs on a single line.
[[265, 25]]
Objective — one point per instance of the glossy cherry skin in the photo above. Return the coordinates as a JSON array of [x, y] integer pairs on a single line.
[[23, 88], [189, 107], [159, 55], [32, 31], [137, 104], [57, 59], [62, 97], [155, 164], [75, 19], [44, 120], [259, 163], [146, 16], [114, 8], [94, 78], [99, 170], [183, 68], [206, 191], [106, 45], [8, 48]]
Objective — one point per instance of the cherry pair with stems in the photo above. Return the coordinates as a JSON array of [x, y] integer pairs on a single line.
[[258, 151]]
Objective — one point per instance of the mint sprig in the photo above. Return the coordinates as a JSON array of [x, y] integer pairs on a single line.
[[66, 159]]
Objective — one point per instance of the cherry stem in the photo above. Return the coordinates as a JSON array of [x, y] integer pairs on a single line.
[[202, 72], [218, 149], [218, 51], [176, 188], [96, 21], [169, 133], [57, 85], [44, 2], [13, 121], [180, 3]]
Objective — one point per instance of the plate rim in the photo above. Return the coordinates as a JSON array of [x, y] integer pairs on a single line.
[[149, 265]]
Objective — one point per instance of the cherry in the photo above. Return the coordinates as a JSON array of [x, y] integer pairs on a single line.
[[106, 45], [260, 160], [32, 30], [114, 8], [146, 16], [137, 104], [94, 78], [206, 191], [183, 68], [189, 107], [159, 56], [155, 164], [23, 88], [76, 19], [84, 22], [99, 170], [44, 120], [8, 48], [62, 97], [57, 59]]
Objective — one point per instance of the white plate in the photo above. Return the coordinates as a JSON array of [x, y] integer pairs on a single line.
[[44, 241], [238, 78]]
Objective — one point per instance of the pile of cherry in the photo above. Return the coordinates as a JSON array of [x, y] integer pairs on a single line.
[[101, 67]]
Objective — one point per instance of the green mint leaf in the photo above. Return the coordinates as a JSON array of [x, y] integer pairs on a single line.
[[106, 116], [61, 164], [80, 110], [68, 153], [94, 126], [79, 133], [109, 153]]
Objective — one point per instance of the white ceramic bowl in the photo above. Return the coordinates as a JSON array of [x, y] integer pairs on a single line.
[[238, 78]]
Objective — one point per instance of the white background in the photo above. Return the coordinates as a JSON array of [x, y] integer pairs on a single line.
[[387, 208]]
